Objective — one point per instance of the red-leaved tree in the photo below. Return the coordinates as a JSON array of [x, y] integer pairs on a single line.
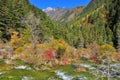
[[49, 54]]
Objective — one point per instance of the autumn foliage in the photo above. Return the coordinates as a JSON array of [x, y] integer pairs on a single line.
[[57, 51], [49, 55]]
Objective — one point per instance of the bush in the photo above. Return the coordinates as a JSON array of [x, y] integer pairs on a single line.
[[106, 51]]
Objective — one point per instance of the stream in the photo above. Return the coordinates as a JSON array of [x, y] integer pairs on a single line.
[[114, 72], [114, 69], [63, 76], [59, 74]]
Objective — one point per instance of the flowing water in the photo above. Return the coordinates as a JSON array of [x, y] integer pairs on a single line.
[[23, 72], [63, 76]]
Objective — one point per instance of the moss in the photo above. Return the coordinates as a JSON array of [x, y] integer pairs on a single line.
[[4, 66], [10, 78], [71, 71], [17, 74]]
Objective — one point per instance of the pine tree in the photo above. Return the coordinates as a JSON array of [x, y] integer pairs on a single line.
[[113, 19]]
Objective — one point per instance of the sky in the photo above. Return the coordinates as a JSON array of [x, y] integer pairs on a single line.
[[43, 4]]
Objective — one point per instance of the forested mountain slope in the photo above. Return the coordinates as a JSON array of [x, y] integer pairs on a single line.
[[17, 15], [99, 21]]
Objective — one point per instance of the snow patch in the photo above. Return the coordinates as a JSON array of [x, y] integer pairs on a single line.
[[49, 9]]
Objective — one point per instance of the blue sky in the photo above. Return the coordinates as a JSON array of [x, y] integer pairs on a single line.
[[43, 4]]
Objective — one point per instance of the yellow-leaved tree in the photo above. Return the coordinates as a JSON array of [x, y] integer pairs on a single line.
[[59, 46], [15, 41], [106, 51]]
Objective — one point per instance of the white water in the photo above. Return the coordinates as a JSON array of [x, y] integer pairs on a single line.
[[21, 67], [27, 78], [24, 67], [87, 66], [2, 73], [63, 76]]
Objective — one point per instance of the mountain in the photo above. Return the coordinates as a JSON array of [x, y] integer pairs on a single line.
[[99, 21], [63, 14], [17, 15], [56, 13]]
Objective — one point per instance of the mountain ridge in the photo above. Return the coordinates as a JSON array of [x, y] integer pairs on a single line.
[[63, 14]]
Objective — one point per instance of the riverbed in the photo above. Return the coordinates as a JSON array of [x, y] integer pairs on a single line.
[[66, 72]]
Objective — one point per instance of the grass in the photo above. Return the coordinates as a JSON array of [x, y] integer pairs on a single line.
[[71, 71], [18, 74], [4, 66]]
